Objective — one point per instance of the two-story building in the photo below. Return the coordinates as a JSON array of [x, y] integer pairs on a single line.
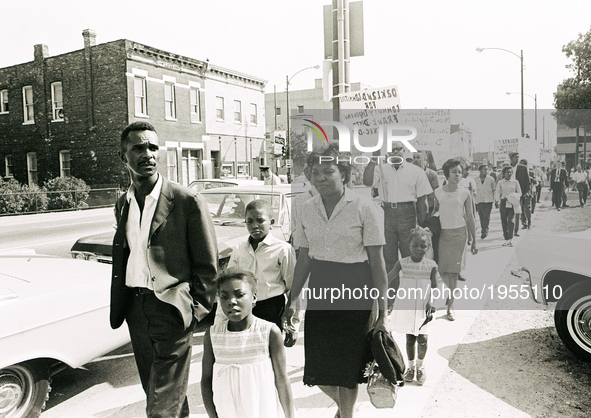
[[63, 115]]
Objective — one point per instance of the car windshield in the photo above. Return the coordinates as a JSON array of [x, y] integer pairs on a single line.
[[225, 206]]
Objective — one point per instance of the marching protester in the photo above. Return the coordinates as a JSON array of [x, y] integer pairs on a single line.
[[340, 237], [456, 212]]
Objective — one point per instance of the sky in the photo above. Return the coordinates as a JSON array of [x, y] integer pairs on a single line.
[[425, 47]]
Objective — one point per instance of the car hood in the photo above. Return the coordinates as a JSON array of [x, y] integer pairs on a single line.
[[48, 285], [570, 252], [228, 233]]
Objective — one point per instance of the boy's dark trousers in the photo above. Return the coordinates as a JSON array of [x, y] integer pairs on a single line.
[[484, 209], [270, 309]]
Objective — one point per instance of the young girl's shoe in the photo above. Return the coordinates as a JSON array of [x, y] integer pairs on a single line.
[[421, 376], [409, 376]]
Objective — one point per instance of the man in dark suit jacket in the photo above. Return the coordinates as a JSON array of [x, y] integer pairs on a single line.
[[522, 176], [558, 179], [164, 265]]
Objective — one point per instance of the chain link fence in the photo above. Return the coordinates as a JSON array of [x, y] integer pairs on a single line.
[[16, 203]]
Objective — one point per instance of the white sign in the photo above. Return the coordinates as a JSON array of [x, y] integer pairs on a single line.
[[528, 149], [365, 111], [503, 147]]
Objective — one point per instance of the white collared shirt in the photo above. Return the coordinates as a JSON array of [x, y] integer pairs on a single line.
[[137, 232], [356, 222], [405, 184], [579, 177], [272, 263]]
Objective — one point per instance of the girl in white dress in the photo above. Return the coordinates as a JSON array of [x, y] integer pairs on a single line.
[[244, 369], [418, 275]]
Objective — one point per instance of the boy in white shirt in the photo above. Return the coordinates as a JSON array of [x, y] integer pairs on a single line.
[[270, 259]]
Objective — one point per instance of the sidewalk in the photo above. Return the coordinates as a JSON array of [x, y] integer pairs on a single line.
[[483, 269], [115, 399]]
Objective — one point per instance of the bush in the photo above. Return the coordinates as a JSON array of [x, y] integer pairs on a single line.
[[66, 193], [17, 198]]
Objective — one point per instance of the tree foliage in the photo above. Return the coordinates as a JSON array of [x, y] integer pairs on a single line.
[[572, 99]]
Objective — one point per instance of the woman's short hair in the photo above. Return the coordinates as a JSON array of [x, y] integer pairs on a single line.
[[451, 163], [341, 159], [506, 168], [419, 232], [236, 273]]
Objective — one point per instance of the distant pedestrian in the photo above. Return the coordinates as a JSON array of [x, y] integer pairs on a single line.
[[421, 161], [485, 196], [558, 180], [456, 212], [581, 180], [522, 176], [505, 188], [417, 275], [244, 372], [268, 177]]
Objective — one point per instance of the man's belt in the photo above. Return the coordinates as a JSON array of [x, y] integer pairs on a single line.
[[142, 291], [394, 205]]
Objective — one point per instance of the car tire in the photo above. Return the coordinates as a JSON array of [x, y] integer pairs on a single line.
[[572, 318], [24, 389]]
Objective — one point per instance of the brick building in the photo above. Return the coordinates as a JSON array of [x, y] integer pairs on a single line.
[[62, 115]]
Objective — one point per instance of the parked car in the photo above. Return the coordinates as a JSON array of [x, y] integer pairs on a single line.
[[55, 314], [226, 206], [200, 185], [557, 270]]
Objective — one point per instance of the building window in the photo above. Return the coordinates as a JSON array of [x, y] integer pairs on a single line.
[[227, 170], [195, 105], [237, 111], [191, 166], [65, 164], [219, 108], [8, 166], [57, 101], [3, 101], [28, 104], [278, 111], [141, 102], [300, 109], [32, 168], [171, 164], [243, 169], [253, 114], [169, 101]]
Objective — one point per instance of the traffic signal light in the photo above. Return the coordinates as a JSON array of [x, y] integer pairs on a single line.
[[283, 153]]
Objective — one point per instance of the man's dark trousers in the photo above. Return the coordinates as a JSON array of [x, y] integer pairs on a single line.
[[162, 350]]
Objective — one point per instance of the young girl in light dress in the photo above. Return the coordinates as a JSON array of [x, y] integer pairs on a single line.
[[244, 369], [418, 275]]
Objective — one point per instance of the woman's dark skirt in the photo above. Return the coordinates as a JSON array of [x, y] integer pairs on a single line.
[[335, 334]]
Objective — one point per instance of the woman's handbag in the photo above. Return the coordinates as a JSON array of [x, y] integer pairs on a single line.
[[382, 385], [382, 393]]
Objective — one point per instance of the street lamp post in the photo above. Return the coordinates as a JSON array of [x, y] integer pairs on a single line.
[[287, 136], [521, 59], [535, 97]]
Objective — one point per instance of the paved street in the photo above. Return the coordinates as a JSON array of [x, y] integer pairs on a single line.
[[109, 386], [52, 233]]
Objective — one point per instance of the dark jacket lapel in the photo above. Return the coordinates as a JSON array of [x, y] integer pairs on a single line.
[[163, 207]]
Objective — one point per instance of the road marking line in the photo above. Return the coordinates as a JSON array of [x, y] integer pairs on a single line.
[[74, 223]]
